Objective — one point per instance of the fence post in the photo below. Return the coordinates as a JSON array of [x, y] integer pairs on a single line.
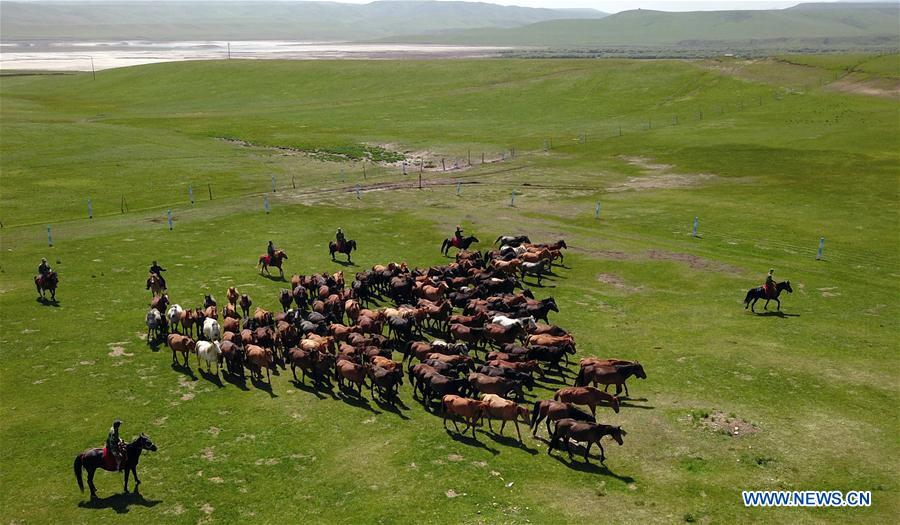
[[293, 182], [420, 180], [512, 199], [358, 196], [821, 248], [342, 174], [49, 237], [191, 192], [482, 157], [266, 203], [696, 226], [469, 156], [458, 184], [443, 166], [364, 171], [169, 215], [273, 184], [597, 211], [209, 188], [403, 165], [90, 209]]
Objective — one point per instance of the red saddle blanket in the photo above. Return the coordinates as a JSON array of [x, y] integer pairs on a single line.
[[456, 242], [109, 461]]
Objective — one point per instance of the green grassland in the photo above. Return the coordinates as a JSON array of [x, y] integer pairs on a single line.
[[764, 153]]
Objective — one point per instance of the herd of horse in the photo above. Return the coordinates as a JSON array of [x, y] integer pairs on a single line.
[[470, 336]]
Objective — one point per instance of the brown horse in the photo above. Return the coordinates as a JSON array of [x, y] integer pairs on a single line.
[[47, 283], [346, 247], [554, 411], [609, 375], [93, 458], [496, 407], [496, 385], [587, 395], [755, 294], [155, 283], [275, 261], [232, 295], [470, 410], [257, 359], [180, 343], [245, 304], [589, 433]]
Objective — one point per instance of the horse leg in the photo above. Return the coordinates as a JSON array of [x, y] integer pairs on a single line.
[[127, 472], [766, 306], [753, 304], [587, 450], [778, 301], [517, 430], [602, 452], [624, 384], [91, 482], [134, 474]]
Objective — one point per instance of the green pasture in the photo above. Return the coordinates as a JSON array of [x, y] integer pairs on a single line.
[[767, 156]]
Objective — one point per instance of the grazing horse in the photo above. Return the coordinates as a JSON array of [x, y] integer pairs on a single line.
[[590, 433], [610, 375], [95, 458], [755, 294], [47, 283], [346, 247], [275, 261], [587, 395], [554, 411], [462, 244]]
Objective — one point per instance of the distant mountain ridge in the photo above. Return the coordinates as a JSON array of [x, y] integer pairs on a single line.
[[241, 20], [811, 23]]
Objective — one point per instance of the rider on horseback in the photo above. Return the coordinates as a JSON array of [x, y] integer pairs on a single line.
[[157, 270], [270, 250], [769, 287], [339, 239], [115, 445], [458, 236], [44, 268]]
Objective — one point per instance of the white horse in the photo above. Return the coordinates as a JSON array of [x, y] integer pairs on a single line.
[[209, 352], [460, 348], [173, 314], [528, 323], [518, 250], [155, 326], [211, 330]]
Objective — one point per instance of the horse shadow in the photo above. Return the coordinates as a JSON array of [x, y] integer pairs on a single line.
[[344, 263], [276, 278], [48, 302], [264, 386], [591, 468], [393, 406], [312, 389], [629, 403], [236, 380], [186, 370], [212, 378], [777, 313], [511, 441], [155, 344], [356, 401], [120, 502], [472, 442]]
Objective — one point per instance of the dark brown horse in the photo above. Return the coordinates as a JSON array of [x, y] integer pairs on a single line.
[[275, 261], [462, 244], [610, 375], [554, 411], [92, 459], [47, 283], [755, 294], [346, 247], [587, 395], [589, 433]]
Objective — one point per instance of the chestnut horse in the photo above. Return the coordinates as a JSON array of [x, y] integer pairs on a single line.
[[275, 261], [587, 395]]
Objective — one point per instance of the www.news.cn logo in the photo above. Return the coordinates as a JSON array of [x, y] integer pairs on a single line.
[[807, 498]]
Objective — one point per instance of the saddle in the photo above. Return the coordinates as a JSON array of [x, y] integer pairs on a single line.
[[339, 245], [456, 242], [768, 291]]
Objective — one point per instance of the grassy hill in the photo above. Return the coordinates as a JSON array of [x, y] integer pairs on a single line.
[[767, 154], [174, 20], [814, 25]]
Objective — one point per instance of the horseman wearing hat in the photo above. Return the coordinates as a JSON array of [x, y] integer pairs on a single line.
[[115, 445], [770, 284], [339, 239], [270, 251], [458, 236]]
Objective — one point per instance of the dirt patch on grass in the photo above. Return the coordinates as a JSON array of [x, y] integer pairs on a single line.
[[694, 261], [722, 423], [617, 282], [646, 164], [829, 292], [662, 182], [872, 87]]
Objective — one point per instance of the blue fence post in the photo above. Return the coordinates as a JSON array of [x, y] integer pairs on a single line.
[[696, 226], [597, 211], [458, 187], [358, 196], [90, 209], [49, 237], [512, 199], [273, 183], [191, 192], [821, 248], [169, 214], [266, 203]]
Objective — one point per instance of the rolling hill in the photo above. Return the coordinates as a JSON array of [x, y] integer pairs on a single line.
[[243, 20], [820, 25]]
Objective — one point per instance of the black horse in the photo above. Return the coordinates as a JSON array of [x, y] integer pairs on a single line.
[[462, 244], [755, 294], [512, 240], [48, 283], [92, 459], [346, 247]]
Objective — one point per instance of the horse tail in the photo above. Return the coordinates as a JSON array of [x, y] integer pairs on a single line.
[[77, 468], [498, 240], [749, 296], [580, 378]]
